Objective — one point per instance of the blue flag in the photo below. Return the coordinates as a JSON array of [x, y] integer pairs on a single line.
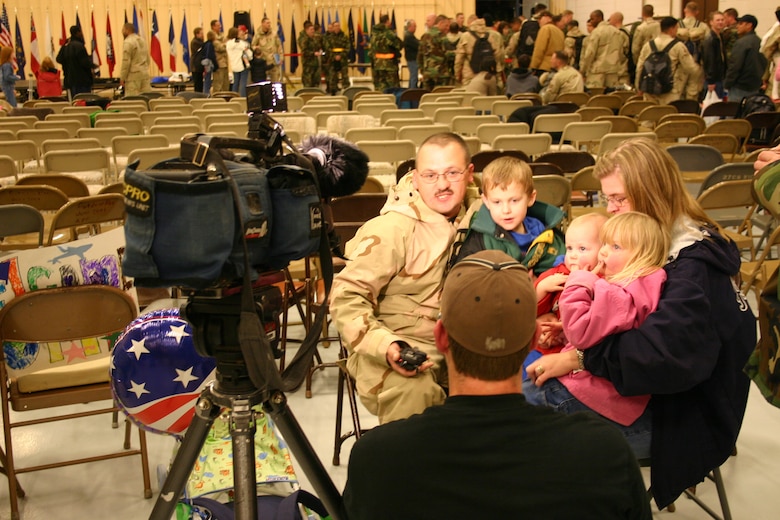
[[20, 60], [135, 21], [185, 54], [220, 21], [280, 34], [293, 48]]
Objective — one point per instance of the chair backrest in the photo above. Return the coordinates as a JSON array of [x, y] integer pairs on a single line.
[[149, 118], [81, 110], [591, 113], [206, 103], [155, 104], [535, 99], [653, 113], [375, 109], [133, 125], [184, 109], [634, 108], [39, 135], [8, 167], [220, 118], [727, 194], [418, 134], [298, 121], [82, 119], [568, 162], [7, 135], [739, 128], [86, 143], [484, 104], [624, 95], [388, 151], [553, 189], [728, 172], [316, 108], [721, 109], [674, 130], [504, 108], [201, 113], [19, 219], [28, 120], [695, 157], [238, 129], [9, 124], [359, 207], [102, 135], [342, 122], [71, 186], [174, 133], [429, 108], [372, 185], [727, 144], [586, 133], [554, 122], [531, 144], [620, 124], [578, 98], [87, 211], [410, 98], [125, 144], [151, 156], [22, 151], [76, 161], [613, 139], [584, 180], [605, 100], [185, 120], [543, 168], [400, 113], [445, 115], [42, 197], [468, 124], [330, 100], [696, 118], [415, 121], [372, 97], [380, 133], [686, 106], [487, 132], [323, 117], [190, 95], [482, 159]]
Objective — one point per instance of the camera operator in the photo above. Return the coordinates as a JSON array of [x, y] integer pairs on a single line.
[[388, 295], [487, 453]]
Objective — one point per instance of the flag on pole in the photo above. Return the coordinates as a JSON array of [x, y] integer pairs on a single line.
[[185, 55], [125, 15], [221, 24], [155, 51], [78, 22], [323, 27], [63, 34], [361, 41], [96, 61], [110, 56], [337, 15], [392, 22], [280, 34], [351, 33], [373, 22], [21, 61], [5, 32], [316, 18], [35, 49], [293, 48], [141, 28], [48, 39], [329, 22], [172, 43]]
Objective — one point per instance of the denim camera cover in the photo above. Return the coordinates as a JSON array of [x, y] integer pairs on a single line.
[[184, 231]]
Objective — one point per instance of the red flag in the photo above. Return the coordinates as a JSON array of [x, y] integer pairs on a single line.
[[154, 48], [110, 56], [35, 50], [64, 37]]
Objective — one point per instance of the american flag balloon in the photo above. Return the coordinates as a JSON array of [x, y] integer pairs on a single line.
[[156, 374]]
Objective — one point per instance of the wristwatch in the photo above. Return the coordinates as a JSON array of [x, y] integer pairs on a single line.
[[580, 359]]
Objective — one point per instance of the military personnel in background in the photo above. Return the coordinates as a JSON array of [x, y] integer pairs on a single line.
[[453, 36], [603, 58], [270, 46], [134, 75], [335, 59], [573, 43], [692, 31], [477, 29], [220, 81], [645, 31], [729, 34], [310, 49], [433, 54], [616, 21], [682, 62], [385, 54], [548, 40], [561, 80]]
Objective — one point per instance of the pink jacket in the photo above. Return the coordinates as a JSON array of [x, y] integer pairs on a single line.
[[592, 309]]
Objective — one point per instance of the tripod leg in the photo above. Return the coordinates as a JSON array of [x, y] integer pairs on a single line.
[[242, 431], [205, 413]]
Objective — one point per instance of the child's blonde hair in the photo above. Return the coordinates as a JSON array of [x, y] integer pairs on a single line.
[[597, 220], [644, 236], [504, 171]]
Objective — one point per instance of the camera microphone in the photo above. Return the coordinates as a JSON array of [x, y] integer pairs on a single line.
[[341, 167]]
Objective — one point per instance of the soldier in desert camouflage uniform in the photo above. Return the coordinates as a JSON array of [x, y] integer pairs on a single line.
[[385, 52], [270, 46], [335, 59], [309, 47], [433, 54], [603, 59]]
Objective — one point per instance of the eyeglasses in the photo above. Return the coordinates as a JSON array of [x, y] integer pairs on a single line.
[[616, 200], [451, 176]]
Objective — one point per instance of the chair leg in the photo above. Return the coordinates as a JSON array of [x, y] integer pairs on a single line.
[[128, 426], [145, 463], [3, 466], [716, 477], [345, 382]]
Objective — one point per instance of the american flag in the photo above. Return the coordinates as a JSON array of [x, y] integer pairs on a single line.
[[156, 374], [5, 33]]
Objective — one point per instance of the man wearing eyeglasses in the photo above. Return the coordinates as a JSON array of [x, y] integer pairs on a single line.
[[387, 297]]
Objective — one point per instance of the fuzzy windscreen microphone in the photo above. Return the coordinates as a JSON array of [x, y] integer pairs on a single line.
[[343, 167]]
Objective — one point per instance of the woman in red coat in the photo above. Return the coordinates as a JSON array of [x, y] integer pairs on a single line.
[[49, 83]]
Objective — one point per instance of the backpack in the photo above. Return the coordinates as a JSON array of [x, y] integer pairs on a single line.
[[755, 104], [482, 52], [657, 74], [527, 39], [629, 54], [577, 50], [693, 47]]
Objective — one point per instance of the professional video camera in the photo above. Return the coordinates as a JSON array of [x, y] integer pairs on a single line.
[[213, 222]]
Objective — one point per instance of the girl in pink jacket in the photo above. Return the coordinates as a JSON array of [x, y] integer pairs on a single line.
[[631, 259]]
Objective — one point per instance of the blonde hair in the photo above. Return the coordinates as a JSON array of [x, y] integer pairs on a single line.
[[48, 64], [644, 237], [653, 182], [504, 171], [595, 220]]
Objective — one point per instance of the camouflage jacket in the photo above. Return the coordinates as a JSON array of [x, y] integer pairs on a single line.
[[308, 46], [432, 56], [606, 51], [269, 45], [331, 42], [384, 42]]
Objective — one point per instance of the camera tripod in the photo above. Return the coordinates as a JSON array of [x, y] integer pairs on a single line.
[[218, 332]]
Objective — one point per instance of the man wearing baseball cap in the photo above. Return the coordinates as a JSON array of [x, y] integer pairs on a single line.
[[486, 453], [746, 64]]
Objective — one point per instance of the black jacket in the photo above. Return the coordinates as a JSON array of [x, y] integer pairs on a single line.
[[713, 59], [746, 64], [76, 63]]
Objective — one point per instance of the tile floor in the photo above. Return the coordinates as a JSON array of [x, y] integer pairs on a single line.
[[113, 489]]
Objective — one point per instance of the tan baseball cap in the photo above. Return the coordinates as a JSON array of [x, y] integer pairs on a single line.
[[488, 304]]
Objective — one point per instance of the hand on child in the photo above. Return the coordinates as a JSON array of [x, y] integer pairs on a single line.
[[551, 334], [599, 269], [552, 283]]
